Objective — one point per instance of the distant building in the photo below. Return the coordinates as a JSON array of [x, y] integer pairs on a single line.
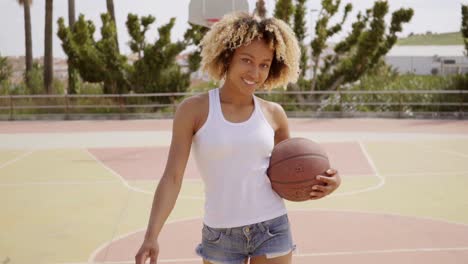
[[18, 67], [426, 60]]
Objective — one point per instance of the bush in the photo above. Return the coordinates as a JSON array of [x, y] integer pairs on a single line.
[[5, 70]]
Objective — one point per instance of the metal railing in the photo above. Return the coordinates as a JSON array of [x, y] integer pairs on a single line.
[[395, 104]]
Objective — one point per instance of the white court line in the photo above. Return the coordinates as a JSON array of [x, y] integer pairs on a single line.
[[318, 254], [117, 225], [403, 174], [442, 150], [384, 251], [125, 183], [190, 197], [16, 159], [368, 189], [95, 252], [439, 173], [428, 218], [57, 183]]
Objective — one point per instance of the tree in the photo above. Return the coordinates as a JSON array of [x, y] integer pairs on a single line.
[[193, 36], [111, 11], [361, 50], [27, 36], [96, 61], [71, 13], [72, 73], [5, 74], [156, 69], [284, 10], [464, 26], [5, 69], [323, 32], [48, 53], [300, 30], [137, 29], [260, 8]]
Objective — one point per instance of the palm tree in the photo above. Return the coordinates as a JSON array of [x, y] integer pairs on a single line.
[[71, 12], [28, 39], [72, 73], [48, 54], [110, 10]]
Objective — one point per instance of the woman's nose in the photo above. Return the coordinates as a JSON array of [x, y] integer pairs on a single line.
[[254, 72]]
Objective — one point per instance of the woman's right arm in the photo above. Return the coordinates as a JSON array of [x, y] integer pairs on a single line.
[[169, 186]]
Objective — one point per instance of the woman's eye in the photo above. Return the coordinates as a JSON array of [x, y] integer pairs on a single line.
[[266, 66], [246, 60]]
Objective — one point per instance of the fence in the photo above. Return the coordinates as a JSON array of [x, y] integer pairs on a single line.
[[392, 104]]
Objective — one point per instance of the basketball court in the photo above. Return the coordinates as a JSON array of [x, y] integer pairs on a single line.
[[81, 192]]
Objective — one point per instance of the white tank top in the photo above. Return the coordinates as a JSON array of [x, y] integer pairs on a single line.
[[232, 159]]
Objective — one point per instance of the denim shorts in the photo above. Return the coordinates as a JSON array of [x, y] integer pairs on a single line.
[[233, 245]]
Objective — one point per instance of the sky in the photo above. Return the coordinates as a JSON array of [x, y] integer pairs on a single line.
[[437, 16]]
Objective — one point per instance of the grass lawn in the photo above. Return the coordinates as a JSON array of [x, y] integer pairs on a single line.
[[452, 38]]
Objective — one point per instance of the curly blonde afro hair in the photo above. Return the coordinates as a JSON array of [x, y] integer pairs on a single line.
[[240, 28]]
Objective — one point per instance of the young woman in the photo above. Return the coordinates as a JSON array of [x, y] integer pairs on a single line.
[[233, 133]]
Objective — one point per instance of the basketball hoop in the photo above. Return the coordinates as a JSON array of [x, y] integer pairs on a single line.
[[208, 12], [211, 21]]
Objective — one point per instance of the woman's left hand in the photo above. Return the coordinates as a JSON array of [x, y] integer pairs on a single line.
[[331, 180]]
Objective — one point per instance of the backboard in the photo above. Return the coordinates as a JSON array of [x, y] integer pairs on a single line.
[[207, 12]]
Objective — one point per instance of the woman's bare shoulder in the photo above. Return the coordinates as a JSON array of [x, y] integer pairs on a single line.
[[273, 112], [195, 108], [194, 102], [271, 106]]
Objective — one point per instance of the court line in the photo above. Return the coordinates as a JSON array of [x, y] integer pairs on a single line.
[[368, 189], [126, 184], [95, 252], [383, 251], [380, 184], [19, 157], [57, 183], [379, 176], [318, 254], [190, 197], [434, 219], [119, 222], [415, 174], [442, 150]]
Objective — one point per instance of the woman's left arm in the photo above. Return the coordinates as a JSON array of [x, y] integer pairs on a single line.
[[281, 123]]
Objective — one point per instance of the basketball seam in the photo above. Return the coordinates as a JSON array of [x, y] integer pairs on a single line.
[[299, 155], [283, 182]]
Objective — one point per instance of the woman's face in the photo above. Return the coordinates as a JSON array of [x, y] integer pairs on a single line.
[[249, 66]]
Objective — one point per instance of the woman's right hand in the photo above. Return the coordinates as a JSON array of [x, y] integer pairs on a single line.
[[149, 249]]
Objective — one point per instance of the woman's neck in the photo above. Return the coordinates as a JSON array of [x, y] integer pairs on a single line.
[[232, 95]]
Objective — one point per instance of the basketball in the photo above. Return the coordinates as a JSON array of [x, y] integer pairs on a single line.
[[294, 164]]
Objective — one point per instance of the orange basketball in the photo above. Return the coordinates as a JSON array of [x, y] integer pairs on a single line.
[[294, 164]]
